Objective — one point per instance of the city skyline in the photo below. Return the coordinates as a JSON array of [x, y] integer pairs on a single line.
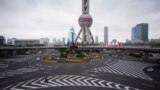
[[52, 18]]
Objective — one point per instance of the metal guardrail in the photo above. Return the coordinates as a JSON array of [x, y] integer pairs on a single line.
[[156, 50]]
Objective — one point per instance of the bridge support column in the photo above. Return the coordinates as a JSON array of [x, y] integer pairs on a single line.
[[14, 53], [145, 56]]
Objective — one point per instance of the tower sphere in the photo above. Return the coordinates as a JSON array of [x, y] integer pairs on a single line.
[[85, 20]]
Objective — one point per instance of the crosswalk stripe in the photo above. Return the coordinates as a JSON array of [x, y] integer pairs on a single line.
[[76, 83], [79, 80], [21, 59], [67, 80], [128, 68], [107, 69], [7, 87], [35, 83], [55, 82], [31, 87], [47, 83], [86, 81], [58, 80], [101, 83], [93, 82], [117, 86], [108, 84], [15, 87]]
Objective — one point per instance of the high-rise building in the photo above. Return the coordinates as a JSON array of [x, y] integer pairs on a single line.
[[54, 41], [44, 41], [2, 40], [26, 42], [105, 34], [143, 29], [133, 34], [140, 33], [71, 36], [58, 41], [11, 41], [96, 39], [63, 41], [114, 41]]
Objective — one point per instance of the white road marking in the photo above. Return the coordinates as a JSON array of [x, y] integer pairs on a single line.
[[117, 86], [101, 83], [15, 87], [32, 87], [47, 83], [88, 84], [7, 87], [55, 82], [148, 85], [35, 82], [93, 81], [67, 80], [58, 80], [127, 68], [72, 79]]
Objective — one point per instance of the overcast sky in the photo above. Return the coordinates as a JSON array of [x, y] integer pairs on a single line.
[[27, 19]]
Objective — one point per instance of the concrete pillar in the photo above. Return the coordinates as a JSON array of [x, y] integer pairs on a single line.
[[14, 53], [145, 56]]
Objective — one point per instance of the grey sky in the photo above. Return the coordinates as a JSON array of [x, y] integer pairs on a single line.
[[53, 18]]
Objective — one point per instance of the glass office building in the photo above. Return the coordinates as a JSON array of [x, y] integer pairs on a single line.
[[140, 33]]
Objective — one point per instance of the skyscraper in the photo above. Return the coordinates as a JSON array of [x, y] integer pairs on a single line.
[[143, 31], [44, 41], [140, 33], [133, 34], [71, 36], [2, 40], [63, 41], [105, 34], [54, 41], [96, 39]]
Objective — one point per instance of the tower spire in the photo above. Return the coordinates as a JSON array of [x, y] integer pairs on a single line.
[[85, 21], [85, 6]]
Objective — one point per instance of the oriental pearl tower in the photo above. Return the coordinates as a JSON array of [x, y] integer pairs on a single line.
[[85, 21]]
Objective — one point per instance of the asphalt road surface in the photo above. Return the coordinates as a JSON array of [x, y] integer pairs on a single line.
[[111, 73]]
